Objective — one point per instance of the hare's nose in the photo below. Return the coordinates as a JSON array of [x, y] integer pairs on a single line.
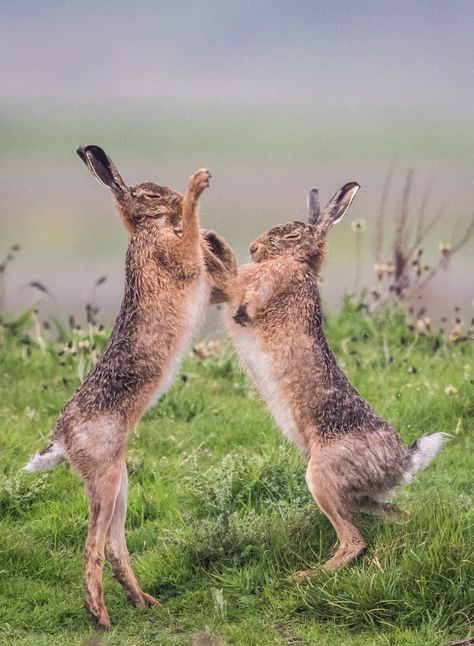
[[253, 247]]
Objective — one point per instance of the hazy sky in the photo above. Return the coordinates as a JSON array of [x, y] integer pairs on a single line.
[[265, 55], [274, 96]]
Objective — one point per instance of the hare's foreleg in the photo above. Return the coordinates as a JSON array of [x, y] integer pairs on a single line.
[[101, 490], [117, 549], [256, 295], [323, 487], [221, 265], [196, 185]]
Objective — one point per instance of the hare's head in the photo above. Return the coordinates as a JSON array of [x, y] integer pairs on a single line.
[[305, 241], [146, 206]]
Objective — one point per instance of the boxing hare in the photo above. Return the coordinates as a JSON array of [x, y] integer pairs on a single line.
[[172, 271], [355, 458]]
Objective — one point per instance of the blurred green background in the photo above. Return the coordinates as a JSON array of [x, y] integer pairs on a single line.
[[273, 96]]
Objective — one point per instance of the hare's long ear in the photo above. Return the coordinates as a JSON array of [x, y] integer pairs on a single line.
[[314, 206], [102, 167], [337, 206]]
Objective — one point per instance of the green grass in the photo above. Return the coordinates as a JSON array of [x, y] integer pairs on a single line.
[[219, 515]]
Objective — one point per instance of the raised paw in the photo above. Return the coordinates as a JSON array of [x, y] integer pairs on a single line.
[[198, 182], [242, 316]]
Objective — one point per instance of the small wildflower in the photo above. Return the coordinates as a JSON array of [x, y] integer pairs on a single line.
[[30, 413], [213, 348], [379, 270], [200, 351], [456, 332], [450, 390], [84, 344], [358, 225], [423, 325]]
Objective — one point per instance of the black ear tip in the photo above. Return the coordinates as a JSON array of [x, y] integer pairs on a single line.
[[351, 186], [81, 151], [92, 149]]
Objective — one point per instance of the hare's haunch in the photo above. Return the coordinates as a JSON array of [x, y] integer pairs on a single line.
[[172, 272], [355, 458]]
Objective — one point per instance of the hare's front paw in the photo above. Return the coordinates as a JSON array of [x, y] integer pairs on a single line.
[[198, 182], [242, 316]]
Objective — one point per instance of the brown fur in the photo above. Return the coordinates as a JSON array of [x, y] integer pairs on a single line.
[[170, 264], [355, 458]]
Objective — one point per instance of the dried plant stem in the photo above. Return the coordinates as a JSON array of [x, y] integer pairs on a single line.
[[358, 263], [399, 256], [379, 224], [442, 261], [421, 215]]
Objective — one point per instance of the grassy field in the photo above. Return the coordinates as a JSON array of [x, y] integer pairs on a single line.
[[219, 515]]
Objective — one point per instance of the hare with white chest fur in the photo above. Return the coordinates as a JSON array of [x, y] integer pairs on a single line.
[[173, 271], [355, 458]]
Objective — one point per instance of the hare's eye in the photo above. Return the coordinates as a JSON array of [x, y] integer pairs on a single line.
[[294, 235], [152, 196]]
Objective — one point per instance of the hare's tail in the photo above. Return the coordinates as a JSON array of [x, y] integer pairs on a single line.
[[48, 458], [423, 450]]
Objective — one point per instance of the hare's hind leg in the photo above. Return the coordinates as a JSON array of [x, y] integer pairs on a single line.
[[101, 490], [322, 484], [117, 549]]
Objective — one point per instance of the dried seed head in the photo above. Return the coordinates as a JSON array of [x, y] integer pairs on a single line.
[[423, 325], [444, 248], [358, 225]]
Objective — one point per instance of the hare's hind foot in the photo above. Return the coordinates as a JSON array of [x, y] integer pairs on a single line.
[[345, 554], [149, 600], [198, 182], [99, 616], [140, 599], [325, 489], [117, 549]]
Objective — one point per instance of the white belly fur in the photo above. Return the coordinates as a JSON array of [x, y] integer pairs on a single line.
[[258, 365], [194, 318]]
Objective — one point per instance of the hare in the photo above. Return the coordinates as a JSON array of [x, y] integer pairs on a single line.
[[173, 270], [355, 458]]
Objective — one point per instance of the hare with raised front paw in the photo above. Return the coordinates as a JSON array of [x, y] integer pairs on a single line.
[[355, 458], [172, 272]]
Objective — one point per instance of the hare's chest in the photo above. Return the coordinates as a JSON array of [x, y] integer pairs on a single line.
[[194, 314], [260, 367]]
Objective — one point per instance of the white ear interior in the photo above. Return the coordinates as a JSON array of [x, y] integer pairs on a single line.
[[352, 194], [93, 171]]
